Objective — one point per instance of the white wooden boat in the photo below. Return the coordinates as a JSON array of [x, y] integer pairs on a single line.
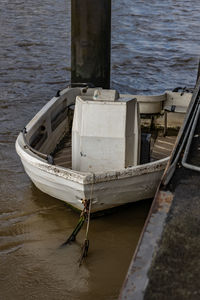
[[44, 147]]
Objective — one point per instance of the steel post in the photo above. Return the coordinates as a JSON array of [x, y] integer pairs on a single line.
[[90, 41]]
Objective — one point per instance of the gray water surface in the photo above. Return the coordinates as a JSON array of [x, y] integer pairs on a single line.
[[155, 46]]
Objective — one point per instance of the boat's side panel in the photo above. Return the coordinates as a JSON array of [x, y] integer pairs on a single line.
[[51, 121], [117, 192], [149, 104], [104, 195], [68, 191]]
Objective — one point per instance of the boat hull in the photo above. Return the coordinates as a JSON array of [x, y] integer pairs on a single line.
[[118, 192], [106, 190]]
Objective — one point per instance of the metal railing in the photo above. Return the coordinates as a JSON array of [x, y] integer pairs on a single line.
[[190, 138]]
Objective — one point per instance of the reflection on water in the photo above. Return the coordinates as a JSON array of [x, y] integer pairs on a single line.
[[154, 47]]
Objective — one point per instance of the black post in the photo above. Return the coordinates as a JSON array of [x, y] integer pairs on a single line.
[[90, 42]]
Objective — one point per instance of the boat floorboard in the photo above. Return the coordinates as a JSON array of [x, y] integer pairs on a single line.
[[63, 157], [160, 149]]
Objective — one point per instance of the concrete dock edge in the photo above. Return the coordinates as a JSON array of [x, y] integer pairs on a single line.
[[158, 261]]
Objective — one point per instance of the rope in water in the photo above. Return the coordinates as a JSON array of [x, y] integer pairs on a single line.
[[85, 246], [85, 216]]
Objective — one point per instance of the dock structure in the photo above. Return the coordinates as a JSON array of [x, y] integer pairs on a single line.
[[166, 262], [91, 42]]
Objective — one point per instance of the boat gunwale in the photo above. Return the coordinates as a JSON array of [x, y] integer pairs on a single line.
[[87, 177]]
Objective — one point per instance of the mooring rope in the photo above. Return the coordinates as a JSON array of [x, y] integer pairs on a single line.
[[85, 246], [85, 216], [90, 205]]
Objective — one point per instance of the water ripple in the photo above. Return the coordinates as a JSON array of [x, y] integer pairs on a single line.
[[155, 46]]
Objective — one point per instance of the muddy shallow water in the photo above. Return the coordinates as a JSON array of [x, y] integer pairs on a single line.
[[155, 46]]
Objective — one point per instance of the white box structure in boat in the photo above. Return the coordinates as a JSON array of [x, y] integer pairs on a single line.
[[105, 133]]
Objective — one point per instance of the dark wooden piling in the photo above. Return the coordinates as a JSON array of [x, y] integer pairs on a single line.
[[90, 41]]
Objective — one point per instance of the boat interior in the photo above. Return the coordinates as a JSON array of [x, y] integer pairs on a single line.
[[49, 133]]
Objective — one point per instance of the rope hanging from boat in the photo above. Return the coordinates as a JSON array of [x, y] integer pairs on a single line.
[[85, 216], [85, 246], [82, 219]]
